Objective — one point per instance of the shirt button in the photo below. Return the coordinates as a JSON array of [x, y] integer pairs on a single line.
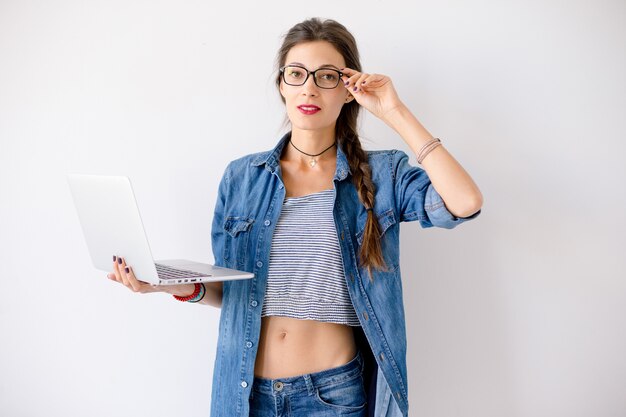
[[259, 264], [267, 222], [280, 186], [249, 344], [253, 303], [244, 384]]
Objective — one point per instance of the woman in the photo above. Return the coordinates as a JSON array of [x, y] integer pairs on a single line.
[[320, 329]]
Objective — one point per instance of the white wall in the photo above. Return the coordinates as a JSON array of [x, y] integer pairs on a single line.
[[519, 313]]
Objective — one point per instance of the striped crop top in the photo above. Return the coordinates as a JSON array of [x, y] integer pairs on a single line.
[[306, 278]]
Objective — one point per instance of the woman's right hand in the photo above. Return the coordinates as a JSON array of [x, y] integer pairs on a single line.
[[125, 275]]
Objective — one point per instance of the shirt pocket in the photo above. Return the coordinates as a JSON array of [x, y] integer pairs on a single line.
[[236, 245], [386, 219]]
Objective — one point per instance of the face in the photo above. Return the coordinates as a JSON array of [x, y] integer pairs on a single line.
[[325, 104]]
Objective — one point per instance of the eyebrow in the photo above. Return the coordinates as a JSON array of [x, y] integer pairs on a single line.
[[321, 66]]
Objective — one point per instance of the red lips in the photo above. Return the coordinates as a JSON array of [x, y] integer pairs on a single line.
[[308, 108]]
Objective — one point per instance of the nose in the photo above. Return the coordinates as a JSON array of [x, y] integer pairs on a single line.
[[309, 87]]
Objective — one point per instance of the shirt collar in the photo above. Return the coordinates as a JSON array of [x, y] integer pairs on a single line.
[[271, 159]]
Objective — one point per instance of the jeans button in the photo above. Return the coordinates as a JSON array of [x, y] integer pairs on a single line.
[[244, 384], [249, 344], [278, 386], [253, 303], [267, 222], [259, 264]]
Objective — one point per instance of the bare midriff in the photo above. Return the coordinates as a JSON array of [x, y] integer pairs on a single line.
[[291, 347], [288, 346]]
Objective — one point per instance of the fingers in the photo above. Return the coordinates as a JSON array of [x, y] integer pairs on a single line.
[[116, 270], [124, 274], [121, 264], [357, 82], [135, 285], [352, 79]]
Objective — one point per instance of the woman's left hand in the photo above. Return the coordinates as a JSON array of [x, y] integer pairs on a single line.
[[375, 92]]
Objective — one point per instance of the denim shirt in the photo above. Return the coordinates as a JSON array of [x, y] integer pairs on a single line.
[[250, 198]]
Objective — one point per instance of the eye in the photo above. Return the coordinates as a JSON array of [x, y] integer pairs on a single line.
[[295, 72], [328, 75]]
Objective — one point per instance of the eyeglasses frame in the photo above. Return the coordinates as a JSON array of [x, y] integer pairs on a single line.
[[308, 73]]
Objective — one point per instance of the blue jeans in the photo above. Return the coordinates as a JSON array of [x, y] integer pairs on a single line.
[[329, 393]]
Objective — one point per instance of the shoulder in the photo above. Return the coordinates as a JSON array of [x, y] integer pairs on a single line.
[[248, 159], [384, 155], [384, 163], [246, 162]]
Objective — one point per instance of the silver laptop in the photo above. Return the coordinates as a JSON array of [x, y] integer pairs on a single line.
[[110, 219]]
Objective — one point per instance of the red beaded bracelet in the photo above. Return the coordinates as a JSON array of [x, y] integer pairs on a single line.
[[196, 291]]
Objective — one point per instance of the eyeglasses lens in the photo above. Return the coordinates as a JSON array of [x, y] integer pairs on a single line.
[[324, 78]]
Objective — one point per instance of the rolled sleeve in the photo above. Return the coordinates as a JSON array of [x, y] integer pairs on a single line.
[[217, 229], [438, 214], [417, 199]]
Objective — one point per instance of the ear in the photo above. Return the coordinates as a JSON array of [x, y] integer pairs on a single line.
[[280, 87], [349, 98]]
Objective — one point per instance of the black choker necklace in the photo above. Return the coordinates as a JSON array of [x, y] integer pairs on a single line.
[[313, 161]]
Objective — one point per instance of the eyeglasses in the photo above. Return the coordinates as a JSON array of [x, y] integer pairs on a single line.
[[323, 77]]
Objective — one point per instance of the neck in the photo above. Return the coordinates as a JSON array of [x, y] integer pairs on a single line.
[[311, 142]]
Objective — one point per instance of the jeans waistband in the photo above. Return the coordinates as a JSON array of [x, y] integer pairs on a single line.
[[307, 382]]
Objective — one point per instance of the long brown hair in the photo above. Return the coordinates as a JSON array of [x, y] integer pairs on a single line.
[[346, 134]]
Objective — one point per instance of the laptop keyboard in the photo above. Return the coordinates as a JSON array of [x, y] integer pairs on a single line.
[[180, 275]]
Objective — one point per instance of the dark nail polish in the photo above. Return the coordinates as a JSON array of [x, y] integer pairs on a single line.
[[119, 261], [354, 89], [127, 270], [347, 82], [114, 258]]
